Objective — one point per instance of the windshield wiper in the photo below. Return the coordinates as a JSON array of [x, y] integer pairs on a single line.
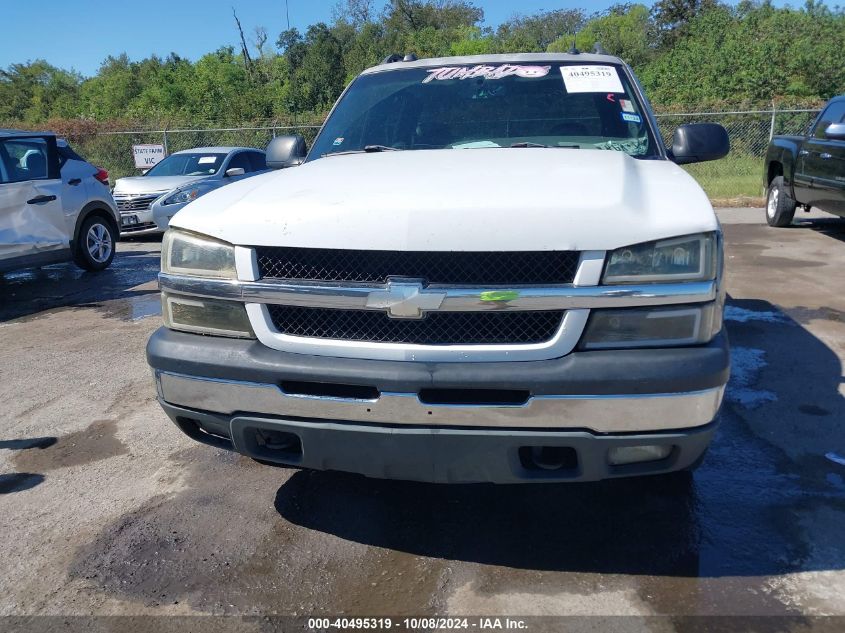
[[529, 144], [381, 148], [368, 149]]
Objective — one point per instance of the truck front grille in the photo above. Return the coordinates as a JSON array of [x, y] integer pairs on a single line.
[[137, 203], [437, 328], [465, 268]]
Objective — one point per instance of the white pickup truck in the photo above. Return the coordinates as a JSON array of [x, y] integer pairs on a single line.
[[486, 269]]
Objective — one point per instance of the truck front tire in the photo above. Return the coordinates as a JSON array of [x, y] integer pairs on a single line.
[[780, 207]]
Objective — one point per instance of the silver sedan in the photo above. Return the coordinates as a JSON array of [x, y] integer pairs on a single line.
[[148, 202]]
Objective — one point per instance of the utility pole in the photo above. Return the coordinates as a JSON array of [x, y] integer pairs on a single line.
[[772, 126], [292, 82]]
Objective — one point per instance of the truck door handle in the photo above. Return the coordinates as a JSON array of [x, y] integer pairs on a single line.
[[74, 181], [40, 199], [803, 152], [825, 156]]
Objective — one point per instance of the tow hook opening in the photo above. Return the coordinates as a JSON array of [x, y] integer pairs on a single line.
[[204, 432], [281, 444], [330, 390], [475, 397], [549, 459]]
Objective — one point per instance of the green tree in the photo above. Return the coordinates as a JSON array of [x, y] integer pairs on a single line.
[[534, 33], [35, 91], [428, 28], [688, 53], [111, 90], [672, 17], [473, 41], [625, 30], [751, 54], [320, 76]]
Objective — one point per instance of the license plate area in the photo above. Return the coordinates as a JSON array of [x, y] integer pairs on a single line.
[[129, 220]]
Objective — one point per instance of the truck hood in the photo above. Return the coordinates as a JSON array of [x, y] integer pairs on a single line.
[[135, 185], [458, 200]]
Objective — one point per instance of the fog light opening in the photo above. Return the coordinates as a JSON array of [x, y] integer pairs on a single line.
[[548, 458], [278, 441], [623, 455]]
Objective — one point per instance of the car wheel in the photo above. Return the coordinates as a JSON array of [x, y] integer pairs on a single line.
[[95, 244], [780, 207]]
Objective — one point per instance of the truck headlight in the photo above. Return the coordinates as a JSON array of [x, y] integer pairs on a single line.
[[205, 316], [653, 327], [185, 253], [181, 197], [688, 258]]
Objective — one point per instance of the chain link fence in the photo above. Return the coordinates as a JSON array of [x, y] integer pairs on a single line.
[[738, 178], [735, 179], [113, 150]]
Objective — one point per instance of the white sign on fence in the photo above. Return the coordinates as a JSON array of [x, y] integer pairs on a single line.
[[147, 156]]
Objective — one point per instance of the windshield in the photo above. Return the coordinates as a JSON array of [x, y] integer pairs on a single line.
[[497, 105], [199, 164]]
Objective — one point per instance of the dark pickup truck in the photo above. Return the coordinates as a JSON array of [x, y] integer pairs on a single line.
[[808, 170]]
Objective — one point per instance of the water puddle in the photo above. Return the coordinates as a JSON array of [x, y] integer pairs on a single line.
[[132, 308], [91, 444], [746, 365]]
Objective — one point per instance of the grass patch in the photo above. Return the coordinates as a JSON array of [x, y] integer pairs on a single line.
[[733, 177]]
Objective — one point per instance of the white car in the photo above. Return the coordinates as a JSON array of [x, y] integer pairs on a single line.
[[54, 206], [487, 269], [148, 202]]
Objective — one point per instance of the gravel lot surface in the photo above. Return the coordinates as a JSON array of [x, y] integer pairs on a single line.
[[107, 509]]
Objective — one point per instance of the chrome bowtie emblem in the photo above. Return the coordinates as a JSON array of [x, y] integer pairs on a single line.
[[405, 299]]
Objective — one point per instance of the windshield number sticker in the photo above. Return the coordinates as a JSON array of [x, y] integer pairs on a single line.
[[627, 106], [631, 118], [487, 72], [205, 160], [591, 79]]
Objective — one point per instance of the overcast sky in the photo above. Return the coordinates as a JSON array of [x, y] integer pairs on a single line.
[[79, 35]]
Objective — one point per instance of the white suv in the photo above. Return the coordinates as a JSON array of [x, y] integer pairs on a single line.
[[54, 206]]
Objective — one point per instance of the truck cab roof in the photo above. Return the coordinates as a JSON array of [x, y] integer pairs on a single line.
[[586, 58]]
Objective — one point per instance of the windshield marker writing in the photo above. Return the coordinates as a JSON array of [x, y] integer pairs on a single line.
[[487, 72]]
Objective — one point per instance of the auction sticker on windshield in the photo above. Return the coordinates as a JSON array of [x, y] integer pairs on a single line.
[[592, 78]]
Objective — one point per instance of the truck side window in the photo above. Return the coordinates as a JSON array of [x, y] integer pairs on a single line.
[[834, 113]]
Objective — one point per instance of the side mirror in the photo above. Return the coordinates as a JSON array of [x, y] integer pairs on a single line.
[[835, 132], [286, 151], [235, 171], [698, 142]]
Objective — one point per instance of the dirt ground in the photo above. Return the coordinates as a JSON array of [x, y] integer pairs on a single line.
[[107, 509]]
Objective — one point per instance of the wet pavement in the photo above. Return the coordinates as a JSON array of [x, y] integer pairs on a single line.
[[112, 511]]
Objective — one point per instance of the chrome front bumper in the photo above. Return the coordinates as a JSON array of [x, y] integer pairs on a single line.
[[597, 413], [232, 392]]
